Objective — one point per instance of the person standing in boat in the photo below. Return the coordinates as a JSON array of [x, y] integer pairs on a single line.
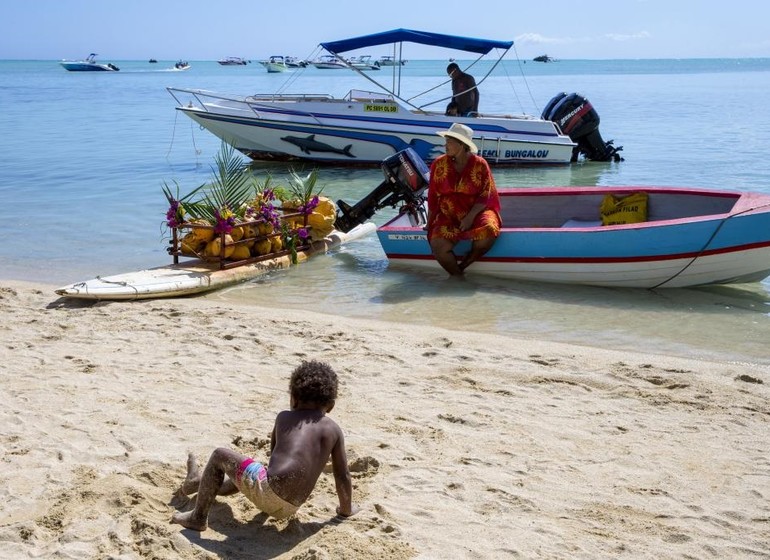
[[465, 94], [463, 202]]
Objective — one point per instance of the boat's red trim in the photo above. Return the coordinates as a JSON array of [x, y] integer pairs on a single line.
[[598, 260]]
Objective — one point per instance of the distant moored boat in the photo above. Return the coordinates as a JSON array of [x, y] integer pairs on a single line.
[[233, 61]]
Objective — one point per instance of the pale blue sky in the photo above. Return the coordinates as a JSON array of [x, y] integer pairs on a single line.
[[213, 29]]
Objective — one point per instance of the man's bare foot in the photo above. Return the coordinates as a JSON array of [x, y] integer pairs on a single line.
[[185, 520], [354, 509], [193, 478]]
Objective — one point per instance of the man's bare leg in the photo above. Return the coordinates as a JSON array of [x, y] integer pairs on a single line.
[[479, 248], [222, 462], [442, 251]]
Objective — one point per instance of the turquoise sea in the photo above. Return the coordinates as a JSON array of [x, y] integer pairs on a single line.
[[84, 156]]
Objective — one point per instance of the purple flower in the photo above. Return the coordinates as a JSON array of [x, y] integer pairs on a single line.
[[270, 215], [303, 234], [308, 208], [224, 225], [172, 215]]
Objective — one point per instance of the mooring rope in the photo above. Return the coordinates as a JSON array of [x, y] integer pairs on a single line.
[[708, 242]]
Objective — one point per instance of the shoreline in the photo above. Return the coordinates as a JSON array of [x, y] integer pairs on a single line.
[[547, 449]]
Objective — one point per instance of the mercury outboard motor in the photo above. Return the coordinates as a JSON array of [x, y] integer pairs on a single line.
[[406, 179], [577, 119]]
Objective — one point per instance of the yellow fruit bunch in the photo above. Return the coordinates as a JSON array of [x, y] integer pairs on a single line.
[[320, 221], [245, 240]]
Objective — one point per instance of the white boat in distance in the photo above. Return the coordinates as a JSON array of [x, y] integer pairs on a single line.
[[88, 65], [233, 61], [329, 62], [387, 60], [363, 62], [275, 64], [364, 127], [294, 62]]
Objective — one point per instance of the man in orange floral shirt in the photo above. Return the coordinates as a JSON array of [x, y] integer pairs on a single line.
[[462, 201]]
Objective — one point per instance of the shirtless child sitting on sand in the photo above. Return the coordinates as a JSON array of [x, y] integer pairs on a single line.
[[301, 442]]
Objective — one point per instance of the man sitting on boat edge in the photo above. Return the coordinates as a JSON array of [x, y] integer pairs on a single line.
[[463, 202]]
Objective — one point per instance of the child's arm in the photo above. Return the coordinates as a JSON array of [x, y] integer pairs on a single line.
[[342, 479]]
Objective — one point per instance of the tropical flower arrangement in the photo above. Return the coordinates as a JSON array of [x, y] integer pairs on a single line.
[[237, 217]]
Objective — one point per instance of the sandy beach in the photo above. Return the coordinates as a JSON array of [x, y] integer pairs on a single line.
[[461, 445]]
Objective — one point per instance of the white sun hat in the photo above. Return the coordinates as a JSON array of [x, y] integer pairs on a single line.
[[461, 133]]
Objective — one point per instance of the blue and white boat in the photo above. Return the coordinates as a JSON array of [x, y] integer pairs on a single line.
[[88, 65], [366, 127], [691, 237]]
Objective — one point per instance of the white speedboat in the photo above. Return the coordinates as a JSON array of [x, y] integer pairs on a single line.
[[387, 60], [275, 64], [181, 65], [329, 62], [294, 62], [365, 127], [363, 62], [232, 61], [88, 65]]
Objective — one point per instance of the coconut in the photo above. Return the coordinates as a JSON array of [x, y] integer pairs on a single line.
[[262, 247], [214, 247], [191, 245], [250, 231], [240, 252], [201, 234], [276, 244], [237, 233], [265, 228]]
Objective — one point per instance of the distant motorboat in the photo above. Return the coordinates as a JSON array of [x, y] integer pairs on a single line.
[[389, 61], [88, 65], [294, 62], [182, 65], [153, 61], [363, 62], [329, 62], [275, 64], [544, 58], [233, 61]]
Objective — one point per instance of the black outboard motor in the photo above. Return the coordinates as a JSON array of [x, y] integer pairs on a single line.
[[406, 179], [577, 119]]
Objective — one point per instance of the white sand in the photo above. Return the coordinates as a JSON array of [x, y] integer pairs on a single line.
[[462, 445]]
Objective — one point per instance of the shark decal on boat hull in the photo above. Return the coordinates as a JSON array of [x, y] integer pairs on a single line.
[[310, 144]]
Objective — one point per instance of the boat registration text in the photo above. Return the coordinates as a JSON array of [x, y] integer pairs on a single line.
[[516, 154], [381, 108]]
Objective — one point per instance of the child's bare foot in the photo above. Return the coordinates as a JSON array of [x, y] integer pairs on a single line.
[[186, 520], [193, 478]]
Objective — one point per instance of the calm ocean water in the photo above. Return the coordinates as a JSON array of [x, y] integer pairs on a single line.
[[85, 154]]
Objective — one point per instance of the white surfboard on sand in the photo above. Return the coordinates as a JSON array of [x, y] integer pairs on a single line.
[[195, 276]]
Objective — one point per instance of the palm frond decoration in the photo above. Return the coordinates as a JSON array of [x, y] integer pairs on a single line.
[[230, 188], [303, 189]]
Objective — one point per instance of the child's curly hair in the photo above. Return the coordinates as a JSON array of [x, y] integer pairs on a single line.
[[314, 382]]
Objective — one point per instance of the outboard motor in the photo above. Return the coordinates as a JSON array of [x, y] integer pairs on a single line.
[[577, 119], [406, 179]]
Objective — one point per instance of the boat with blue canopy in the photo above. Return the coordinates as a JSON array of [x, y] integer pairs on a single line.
[[364, 127]]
